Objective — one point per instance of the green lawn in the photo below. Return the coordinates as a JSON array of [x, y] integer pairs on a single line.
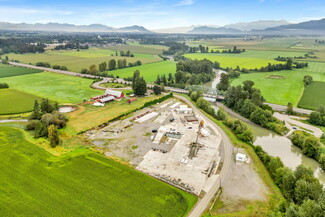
[[233, 61], [14, 101], [313, 96], [148, 71], [77, 60], [8, 71], [82, 183], [56, 87]]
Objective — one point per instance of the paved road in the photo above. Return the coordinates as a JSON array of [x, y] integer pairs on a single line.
[[202, 204], [301, 126], [13, 120], [282, 108]]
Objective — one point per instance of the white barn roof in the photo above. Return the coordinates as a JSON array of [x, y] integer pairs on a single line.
[[107, 99], [115, 93]]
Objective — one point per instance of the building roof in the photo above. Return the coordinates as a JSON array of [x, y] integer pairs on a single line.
[[107, 99], [115, 93]]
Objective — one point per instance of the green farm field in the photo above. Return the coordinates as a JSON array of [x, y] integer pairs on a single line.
[[14, 101], [313, 96], [289, 88], [8, 71], [56, 87], [77, 60], [233, 61], [81, 183], [148, 71]]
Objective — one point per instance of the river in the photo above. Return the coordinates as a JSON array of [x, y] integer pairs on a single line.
[[280, 146]]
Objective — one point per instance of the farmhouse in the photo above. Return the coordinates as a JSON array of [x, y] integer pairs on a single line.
[[115, 94]]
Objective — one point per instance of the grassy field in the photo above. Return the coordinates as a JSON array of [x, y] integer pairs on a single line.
[[88, 116], [8, 71], [56, 87], [148, 71], [288, 87], [233, 61], [313, 96], [77, 60], [82, 183], [14, 101]]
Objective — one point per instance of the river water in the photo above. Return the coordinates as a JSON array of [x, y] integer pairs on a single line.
[[279, 146]]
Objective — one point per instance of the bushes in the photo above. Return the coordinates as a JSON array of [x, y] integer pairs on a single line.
[[4, 85], [43, 64], [310, 146]]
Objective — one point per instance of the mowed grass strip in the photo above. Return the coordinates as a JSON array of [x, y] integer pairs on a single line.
[[82, 183], [89, 116], [148, 71], [15, 102], [9, 71], [233, 61], [56, 87], [313, 96]]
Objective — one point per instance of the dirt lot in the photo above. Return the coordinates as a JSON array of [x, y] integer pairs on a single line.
[[242, 185]]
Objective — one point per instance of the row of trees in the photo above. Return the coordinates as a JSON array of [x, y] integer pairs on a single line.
[[248, 101], [45, 121], [4, 85], [280, 58], [110, 65], [165, 81], [126, 54], [304, 193], [71, 45]]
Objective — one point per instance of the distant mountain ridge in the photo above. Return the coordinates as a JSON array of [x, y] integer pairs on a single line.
[[257, 25], [65, 27], [214, 30]]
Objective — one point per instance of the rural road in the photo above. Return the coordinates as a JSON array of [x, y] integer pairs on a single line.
[[202, 204], [303, 127], [282, 108]]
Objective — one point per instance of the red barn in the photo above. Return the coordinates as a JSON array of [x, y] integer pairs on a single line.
[[116, 94]]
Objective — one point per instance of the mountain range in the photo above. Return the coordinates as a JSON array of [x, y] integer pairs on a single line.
[[279, 27], [58, 27]]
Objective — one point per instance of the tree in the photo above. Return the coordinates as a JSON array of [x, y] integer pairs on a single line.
[[93, 69], [112, 64], [156, 90], [316, 118], [321, 110], [301, 191], [36, 114], [307, 80], [224, 82], [46, 107], [289, 108], [53, 136], [140, 87]]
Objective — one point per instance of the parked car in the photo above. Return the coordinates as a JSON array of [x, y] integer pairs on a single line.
[[154, 131]]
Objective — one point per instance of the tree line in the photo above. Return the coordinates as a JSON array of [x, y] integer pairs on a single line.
[[20, 46], [110, 65], [248, 101], [317, 117], [45, 121], [71, 45], [48, 65]]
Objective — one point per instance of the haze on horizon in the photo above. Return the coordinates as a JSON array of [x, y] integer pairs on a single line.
[[154, 14]]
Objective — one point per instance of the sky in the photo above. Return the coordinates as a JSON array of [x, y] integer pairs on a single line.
[[154, 14]]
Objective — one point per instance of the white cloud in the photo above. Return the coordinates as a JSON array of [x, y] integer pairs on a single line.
[[261, 1], [184, 3]]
